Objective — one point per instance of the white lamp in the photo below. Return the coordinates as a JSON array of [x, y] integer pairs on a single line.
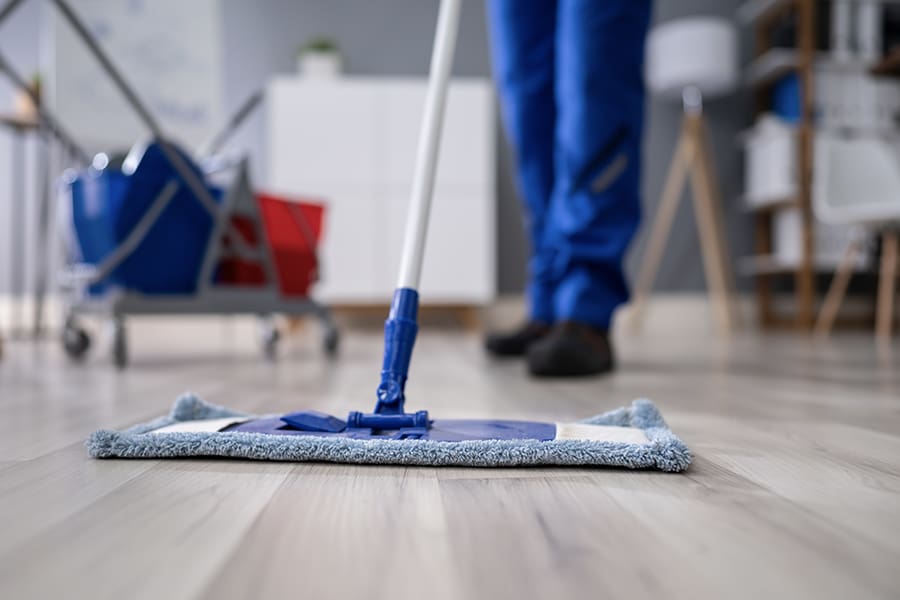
[[692, 59]]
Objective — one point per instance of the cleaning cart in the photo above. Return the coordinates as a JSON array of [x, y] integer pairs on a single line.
[[152, 235], [145, 245]]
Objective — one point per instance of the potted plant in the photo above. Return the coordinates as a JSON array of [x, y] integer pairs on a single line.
[[319, 57], [24, 107]]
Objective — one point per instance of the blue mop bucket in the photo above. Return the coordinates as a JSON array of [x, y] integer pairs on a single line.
[[108, 204]]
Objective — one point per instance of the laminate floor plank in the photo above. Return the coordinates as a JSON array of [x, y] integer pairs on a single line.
[[169, 531], [40, 494], [793, 492], [347, 532]]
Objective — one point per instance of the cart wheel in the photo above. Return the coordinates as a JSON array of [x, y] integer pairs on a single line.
[[331, 342], [270, 338], [76, 341], [120, 345]]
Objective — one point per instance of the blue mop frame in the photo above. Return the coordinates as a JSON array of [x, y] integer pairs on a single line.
[[400, 330]]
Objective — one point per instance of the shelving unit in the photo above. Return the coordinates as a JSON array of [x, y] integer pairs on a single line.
[[889, 66], [770, 205], [757, 11], [769, 66], [764, 265], [19, 127]]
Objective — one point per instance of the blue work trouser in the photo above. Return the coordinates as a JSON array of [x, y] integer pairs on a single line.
[[570, 79]]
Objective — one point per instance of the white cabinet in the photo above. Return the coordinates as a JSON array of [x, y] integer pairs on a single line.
[[352, 142]]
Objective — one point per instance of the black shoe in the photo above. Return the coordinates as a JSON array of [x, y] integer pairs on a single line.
[[570, 350], [516, 343]]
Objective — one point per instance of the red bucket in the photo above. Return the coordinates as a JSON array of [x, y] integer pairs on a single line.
[[293, 230]]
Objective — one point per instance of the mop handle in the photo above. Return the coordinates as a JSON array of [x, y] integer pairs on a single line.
[[429, 138], [401, 326]]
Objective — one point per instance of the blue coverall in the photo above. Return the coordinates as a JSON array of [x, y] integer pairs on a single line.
[[570, 80]]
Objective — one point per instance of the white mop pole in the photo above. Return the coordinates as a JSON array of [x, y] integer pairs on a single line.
[[429, 139], [400, 327]]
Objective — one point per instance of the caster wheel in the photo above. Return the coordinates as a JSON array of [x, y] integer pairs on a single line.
[[120, 347], [331, 343], [76, 342]]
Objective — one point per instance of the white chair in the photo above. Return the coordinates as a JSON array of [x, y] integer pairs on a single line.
[[857, 182], [692, 60]]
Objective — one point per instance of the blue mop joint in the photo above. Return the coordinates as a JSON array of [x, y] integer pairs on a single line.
[[400, 330], [399, 338]]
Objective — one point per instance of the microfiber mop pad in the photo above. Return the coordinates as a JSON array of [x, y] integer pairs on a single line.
[[635, 437]]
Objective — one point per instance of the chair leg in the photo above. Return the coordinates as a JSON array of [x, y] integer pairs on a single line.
[[887, 283], [662, 225], [837, 290]]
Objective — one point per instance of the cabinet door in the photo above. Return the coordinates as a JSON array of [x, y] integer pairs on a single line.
[[460, 252], [467, 151], [353, 143], [322, 132], [321, 140], [351, 254]]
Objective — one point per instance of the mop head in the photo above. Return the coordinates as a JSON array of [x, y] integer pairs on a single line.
[[634, 437]]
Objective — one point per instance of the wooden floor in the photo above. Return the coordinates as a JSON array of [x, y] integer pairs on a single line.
[[795, 492]]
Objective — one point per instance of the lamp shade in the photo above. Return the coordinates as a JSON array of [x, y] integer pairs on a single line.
[[700, 52]]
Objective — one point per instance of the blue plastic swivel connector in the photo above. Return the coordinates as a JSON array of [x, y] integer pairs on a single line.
[[399, 337], [358, 420]]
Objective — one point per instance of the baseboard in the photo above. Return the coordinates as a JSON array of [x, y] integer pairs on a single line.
[[17, 315], [664, 313]]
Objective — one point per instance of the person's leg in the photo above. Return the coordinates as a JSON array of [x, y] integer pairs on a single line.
[[595, 205], [522, 36]]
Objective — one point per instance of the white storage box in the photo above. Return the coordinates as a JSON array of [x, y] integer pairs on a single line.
[[848, 97], [831, 242], [770, 163]]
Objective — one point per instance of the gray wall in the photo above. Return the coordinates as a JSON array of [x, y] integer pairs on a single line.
[[393, 37]]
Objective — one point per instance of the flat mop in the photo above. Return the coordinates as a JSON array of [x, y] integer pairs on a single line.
[[635, 436]]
